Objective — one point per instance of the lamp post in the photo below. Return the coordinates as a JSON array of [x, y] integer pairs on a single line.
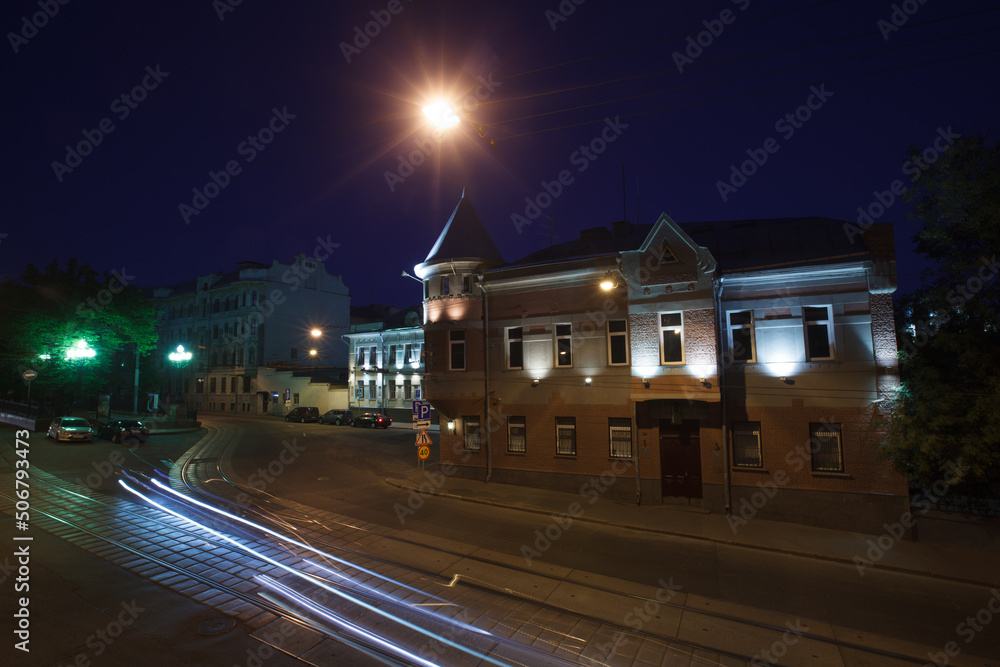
[[180, 357]]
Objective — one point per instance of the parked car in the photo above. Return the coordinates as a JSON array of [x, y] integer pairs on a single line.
[[303, 415], [337, 417], [70, 428], [127, 431], [372, 420]]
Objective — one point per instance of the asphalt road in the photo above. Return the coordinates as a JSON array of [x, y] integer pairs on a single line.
[[344, 469]]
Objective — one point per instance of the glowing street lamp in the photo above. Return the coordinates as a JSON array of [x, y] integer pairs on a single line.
[[316, 333], [180, 355], [80, 350], [441, 114]]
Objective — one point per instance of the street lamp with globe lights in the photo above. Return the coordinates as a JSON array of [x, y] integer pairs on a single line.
[[180, 357]]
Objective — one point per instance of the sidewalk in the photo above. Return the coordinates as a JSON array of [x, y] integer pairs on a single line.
[[955, 563]]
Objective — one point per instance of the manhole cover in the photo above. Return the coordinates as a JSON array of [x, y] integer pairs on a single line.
[[216, 626]]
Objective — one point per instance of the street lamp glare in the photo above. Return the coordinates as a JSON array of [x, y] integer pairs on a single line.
[[441, 114], [80, 350], [316, 333], [312, 353], [607, 284], [179, 355]]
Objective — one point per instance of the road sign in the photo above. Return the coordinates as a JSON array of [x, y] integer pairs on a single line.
[[423, 438], [423, 452], [421, 423], [29, 374]]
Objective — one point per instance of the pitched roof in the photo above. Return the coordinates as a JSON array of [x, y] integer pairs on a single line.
[[463, 237], [737, 245]]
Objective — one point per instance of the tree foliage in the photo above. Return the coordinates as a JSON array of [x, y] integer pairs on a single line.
[[949, 338], [47, 311]]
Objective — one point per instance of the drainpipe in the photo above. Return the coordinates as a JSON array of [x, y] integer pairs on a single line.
[[719, 350], [486, 379]]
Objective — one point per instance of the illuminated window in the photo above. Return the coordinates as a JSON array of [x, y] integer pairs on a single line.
[[818, 327], [473, 432], [516, 438], [564, 345], [741, 336], [456, 342], [515, 348], [617, 342], [746, 445], [671, 338], [827, 447], [620, 437], [566, 436]]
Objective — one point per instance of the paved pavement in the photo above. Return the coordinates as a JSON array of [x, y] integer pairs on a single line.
[[959, 562]]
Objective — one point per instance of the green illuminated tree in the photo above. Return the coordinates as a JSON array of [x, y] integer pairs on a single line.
[[46, 312]]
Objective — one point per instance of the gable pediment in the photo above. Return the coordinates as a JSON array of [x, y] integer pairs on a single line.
[[668, 255]]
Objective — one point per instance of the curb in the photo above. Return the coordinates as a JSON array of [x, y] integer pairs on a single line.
[[659, 531]]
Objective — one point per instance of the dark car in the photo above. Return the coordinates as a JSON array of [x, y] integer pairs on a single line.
[[303, 415], [126, 431], [372, 420], [337, 417]]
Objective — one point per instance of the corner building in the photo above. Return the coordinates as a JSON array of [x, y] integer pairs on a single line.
[[741, 366]]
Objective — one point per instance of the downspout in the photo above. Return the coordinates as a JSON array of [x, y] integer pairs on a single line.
[[719, 350], [486, 378]]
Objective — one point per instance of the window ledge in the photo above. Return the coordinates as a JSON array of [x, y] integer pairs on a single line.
[[571, 457], [760, 471], [843, 475], [516, 453]]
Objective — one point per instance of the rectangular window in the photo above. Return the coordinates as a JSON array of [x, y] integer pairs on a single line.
[[373, 356], [359, 356], [515, 348], [746, 445], [398, 359], [620, 437], [671, 338], [827, 450], [408, 354], [467, 284], [392, 355], [234, 384], [211, 385], [408, 390], [566, 436], [222, 381], [246, 384], [456, 341], [819, 333], [516, 439], [392, 391], [199, 386], [473, 432], [295, 399], [564, 345], [617, 342], [371, 390], [444, 285], [741, 336]]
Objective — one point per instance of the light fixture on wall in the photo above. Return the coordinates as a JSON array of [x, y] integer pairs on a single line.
[[645, 383], [534, 383], [451, 426], [588, 381], [787, 380], [705, 383]]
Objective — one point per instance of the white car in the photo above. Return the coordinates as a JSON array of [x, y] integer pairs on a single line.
[[70, 428]]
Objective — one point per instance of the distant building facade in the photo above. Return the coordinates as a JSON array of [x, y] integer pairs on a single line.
[[740, 366], [386, 364], [234, 324]]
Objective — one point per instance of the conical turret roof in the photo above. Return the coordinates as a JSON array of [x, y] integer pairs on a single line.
[[464, 237]]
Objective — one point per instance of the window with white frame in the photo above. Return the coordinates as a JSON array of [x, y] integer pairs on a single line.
[[392, 355], [818, 326], [564, 345], [671, 338], [373, 356], [392, 391], [620, 437], [617, 342], [473, 432], [566, 436], [359, 357], [408, 390], [741, 336], [515, 348], [516, 435], [371, 390], [746, 445], [456, 356], [826, 445]]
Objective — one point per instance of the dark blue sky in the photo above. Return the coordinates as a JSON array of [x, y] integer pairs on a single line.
[[312, 142]]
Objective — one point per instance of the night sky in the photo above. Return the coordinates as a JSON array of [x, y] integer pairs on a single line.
[[303, 122]]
